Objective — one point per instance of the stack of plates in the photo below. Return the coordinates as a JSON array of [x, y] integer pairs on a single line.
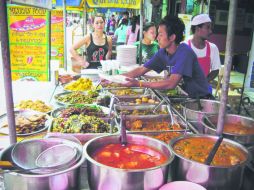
[[126, 55]]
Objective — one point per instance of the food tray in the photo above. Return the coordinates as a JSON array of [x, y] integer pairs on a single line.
[[25, 114], [150, 99], [178, 92], [149, 127], [84, 137], [56, 112], [160, 111], [148, 122], [92, 100], [129, 92]]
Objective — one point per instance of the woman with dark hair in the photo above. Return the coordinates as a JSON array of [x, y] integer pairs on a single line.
[[98, 45], [149, 46], [120, 33], [133, 30]]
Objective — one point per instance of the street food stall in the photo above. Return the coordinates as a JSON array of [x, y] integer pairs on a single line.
[[105, 136]]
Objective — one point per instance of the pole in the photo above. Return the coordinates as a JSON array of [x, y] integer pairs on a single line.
[[84, 20], [242, 91], [141, 31], [65, 49], [228, 64], [202, 6], [7, 72]]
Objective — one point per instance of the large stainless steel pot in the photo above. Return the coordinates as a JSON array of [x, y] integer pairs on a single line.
[[193, 112], [67, 179], [210, 177], [230, 118], [102, 177]]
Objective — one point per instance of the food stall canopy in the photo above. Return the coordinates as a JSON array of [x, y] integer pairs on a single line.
[[128, 4]]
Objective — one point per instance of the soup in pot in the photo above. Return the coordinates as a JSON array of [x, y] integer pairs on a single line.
[[198, 149], [131, 156], [238, 128]]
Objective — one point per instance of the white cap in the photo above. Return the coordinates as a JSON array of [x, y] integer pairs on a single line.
[[200, 19]]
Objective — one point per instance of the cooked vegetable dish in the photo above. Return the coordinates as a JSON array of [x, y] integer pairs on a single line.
[[198, 149], [75, 98], [143, 112], [131, 156], [81, 124], [139, 125], [125, 92], [85, 110]]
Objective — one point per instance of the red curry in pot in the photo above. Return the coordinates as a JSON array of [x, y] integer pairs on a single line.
[[131, 156]]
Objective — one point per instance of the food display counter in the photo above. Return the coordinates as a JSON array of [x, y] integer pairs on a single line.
[[152, 113]]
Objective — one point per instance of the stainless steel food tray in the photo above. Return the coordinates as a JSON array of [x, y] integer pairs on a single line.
[[119, 108], [84, 137], [66, 103], [56, 112], [132, 101], [158, 118], [180, 93], [138, 92]]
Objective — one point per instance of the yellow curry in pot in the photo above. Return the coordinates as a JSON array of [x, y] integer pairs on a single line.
[[198, 149]]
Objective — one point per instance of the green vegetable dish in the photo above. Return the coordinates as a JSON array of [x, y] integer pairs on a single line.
[[76, 98], [81, 124]]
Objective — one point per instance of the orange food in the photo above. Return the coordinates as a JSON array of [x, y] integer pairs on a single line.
[[238, 128], [166, 137], [131, 156], [198, 149], [139, 125]]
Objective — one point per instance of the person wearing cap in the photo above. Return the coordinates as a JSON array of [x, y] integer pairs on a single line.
[[176, 56], [207, 52]]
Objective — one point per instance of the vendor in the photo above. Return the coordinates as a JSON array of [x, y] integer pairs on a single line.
[[180, 58], [98, 46], [207, 52]]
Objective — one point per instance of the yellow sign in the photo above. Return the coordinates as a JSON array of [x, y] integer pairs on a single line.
[[30, 76], [28, 35], [130, 4], [57, 36]]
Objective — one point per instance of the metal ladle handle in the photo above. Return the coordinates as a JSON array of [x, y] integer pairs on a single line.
[[216, 146], [123, 131]]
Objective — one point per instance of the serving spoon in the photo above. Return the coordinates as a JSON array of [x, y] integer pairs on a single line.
[[123, 137]]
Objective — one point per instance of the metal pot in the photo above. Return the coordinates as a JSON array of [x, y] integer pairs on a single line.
[[210, 177], [66, 179], [230, 118], [194, 113], [102, 177]]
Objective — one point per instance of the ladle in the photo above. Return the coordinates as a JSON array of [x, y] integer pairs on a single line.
[[216, 146], [9, 167], [123, 131], [112, 101]]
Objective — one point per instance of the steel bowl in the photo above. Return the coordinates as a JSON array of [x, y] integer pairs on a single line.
[[194, 113], [209, 176], [104, 177], [66, 179], [246, 139]]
